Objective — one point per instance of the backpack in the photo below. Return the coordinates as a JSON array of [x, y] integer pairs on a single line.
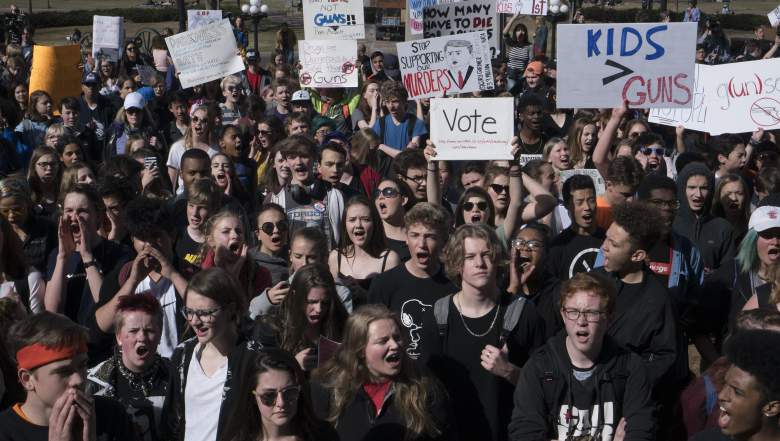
[[411, 121], [441, 310]]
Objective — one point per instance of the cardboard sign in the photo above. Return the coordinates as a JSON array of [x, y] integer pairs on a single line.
[[416, 9], [594, 174], [328, 63], [453, 64], [647, 64], [462, 17], [333, 20], [472, 128], [730, 98], [774, 17], [523, 7], [197, 18], [108, 36], [205, 54], [57, 70]]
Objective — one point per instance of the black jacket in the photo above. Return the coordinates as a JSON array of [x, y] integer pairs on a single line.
[[713, 236]]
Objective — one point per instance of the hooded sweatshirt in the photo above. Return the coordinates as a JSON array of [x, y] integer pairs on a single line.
[[713, 236]]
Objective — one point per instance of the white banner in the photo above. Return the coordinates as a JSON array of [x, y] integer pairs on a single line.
[[446, 65], [197, 18], [523, 7], [462, 17], [647, 64], [416, 8], [774, 17], [340, 20], [205, 54], [328, 63], [730, 98], [108, 36], [465, 129], [598, 181]]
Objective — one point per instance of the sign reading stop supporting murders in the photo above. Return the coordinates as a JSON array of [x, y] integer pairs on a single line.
[[730, 98], [333, 20], [446, 65], [647, 64], [205, 54], [461, 17], [197, 18], [523, 7], [472, 128], [328, 63], [108, 34]]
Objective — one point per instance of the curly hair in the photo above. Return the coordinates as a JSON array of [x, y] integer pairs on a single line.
[[593, 284], [755, 352], [626, 171], [641, 222]]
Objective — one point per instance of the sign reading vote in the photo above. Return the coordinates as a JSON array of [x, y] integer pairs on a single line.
[[333, 19], [205, 54], [461, 17], [328, 63], [646, 64], [472, 128]]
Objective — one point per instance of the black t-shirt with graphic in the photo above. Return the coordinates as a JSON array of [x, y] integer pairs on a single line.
[[572, 253], [661, 261], [582, 414], [187, 252]]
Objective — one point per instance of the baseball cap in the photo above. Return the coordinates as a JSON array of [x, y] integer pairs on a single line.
[[90, 78], [536, 67], [765, 218], [134, 100], [301, 95], [252, 54]]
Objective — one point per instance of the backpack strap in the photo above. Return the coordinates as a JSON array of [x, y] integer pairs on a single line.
[[382, 128], [511, 318], [550, 379], [441, 309]]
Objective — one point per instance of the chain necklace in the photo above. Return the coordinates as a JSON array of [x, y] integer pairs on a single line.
[[474, 334], [143, 382]]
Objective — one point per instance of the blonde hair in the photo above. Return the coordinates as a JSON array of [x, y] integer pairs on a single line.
[[70, 176]]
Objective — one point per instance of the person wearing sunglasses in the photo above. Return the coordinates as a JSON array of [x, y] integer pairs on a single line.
[[650, 150], [274, 403], [272, 237], [132, 119], [582, 384], [391, 198], [131, 57], [233, 92]]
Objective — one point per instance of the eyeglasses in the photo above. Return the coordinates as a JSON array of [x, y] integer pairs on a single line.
[[468, 206], [235, 89], [204, 315], [417, 179], [45, 165], [659, 151], [532, 245], [289, 394], [268, 227], [590, 316], [672, 203], [499, 188], [388, 192]]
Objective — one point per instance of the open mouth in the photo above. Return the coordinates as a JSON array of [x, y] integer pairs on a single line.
[[75, 229], [276, 239], [774, 253], [587, 217], [393, 359], [201, 331], [724, 419], [221, 178], [652, 165], [582, 336], [235, 247], [141, 350], [476, 218], [359, 233]]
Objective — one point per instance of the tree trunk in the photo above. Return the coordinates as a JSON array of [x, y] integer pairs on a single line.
[[182, 15], [29, 7]]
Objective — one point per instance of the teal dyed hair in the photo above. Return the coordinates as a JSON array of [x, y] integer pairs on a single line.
[[747, 257]]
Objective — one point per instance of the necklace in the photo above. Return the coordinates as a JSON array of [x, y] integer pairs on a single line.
[[474, 334], [143, 382], [527, 147]]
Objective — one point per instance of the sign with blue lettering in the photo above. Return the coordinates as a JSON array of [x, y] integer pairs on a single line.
[[647, 64], [333, 19], [465, 129]]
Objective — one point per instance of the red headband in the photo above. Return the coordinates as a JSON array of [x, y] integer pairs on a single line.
[[36, 355]]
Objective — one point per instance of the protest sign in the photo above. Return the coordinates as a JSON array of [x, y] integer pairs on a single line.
[[416, 9], [57, 70], [108, 34], [328, 63], [147, 73], [446, 65], [730, 98], [333, 20], [594, 174], [774, 17], [525, 159], [462, 17], [523, 7], [472, 128], [389, 26], [197, 18], [647, 64], [205, 54]]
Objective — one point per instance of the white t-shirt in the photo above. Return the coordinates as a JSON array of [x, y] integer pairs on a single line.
[[37, 289], [174, 160], [202, 401], [165, 293]]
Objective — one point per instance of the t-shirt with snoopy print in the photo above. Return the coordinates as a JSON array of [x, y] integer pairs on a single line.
[[413, 299]]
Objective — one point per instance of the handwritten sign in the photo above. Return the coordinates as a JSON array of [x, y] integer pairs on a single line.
[[56, 70], [446, 65], [774, 17], [462, 17], [472, 128], [147, 73], [647, 64], [598, 180], [526, 158], [108, 34], [523, 7], [205, 54], [730, 98], [197, 18], [333, 20], [416, 10], [328, 63]]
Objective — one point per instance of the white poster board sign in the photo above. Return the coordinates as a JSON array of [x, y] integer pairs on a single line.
[[462, 17], [526, 158], [594, 174], [197, 18], [333, 20], [466, 129], [730, 98], [522, 7], [647, 64], [416, 9], [108, 36], [328, 63], [205, 54], [453, 64], [774, 17]]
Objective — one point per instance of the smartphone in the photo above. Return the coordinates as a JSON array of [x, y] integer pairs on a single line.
[[150, 162]]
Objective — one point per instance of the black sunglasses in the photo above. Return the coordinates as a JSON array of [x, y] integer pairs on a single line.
[[388, 192], [268, 227], [468, 206], [500, 188], [289, 394], [659, 151]]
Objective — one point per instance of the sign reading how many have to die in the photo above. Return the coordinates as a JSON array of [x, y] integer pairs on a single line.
[[647, 64], [333, 19], [466, 129], [461, 17], [328, 63]]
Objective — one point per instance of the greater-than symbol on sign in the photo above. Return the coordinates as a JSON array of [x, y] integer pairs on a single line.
[[623, 72]]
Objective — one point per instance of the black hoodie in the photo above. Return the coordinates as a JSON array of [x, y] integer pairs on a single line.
[[617, 388], [713, 236]]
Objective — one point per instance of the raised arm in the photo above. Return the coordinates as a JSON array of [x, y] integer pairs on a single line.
[[509, 24], [432, 177], [515, 192], [542, 204], [601, 152]]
